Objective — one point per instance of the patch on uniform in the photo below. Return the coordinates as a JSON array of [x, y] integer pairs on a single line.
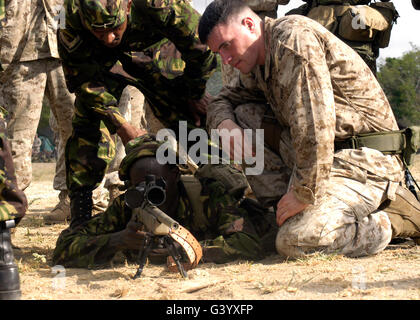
[[69, 41]]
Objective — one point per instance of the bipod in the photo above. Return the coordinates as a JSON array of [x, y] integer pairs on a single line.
[[168, 243]]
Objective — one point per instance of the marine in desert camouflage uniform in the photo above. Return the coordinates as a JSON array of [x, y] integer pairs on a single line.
[[144, 34], [32, 69], [316, 90], [227, 226]]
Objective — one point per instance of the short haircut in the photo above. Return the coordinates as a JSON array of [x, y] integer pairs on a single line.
[[218, 12]]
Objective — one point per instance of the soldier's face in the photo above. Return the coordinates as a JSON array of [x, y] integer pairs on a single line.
[[236, 42], [110, 37]]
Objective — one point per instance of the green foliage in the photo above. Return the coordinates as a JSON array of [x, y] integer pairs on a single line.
[[400, 79]]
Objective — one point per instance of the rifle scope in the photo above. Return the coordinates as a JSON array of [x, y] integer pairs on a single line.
[[151, 190]]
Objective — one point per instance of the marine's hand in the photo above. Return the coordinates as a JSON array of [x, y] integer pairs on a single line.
[[128, 132], [288, 206], [199, 107], [239, 146]]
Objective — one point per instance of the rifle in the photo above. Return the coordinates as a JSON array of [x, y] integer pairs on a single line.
[[144, 199], [409, 181]]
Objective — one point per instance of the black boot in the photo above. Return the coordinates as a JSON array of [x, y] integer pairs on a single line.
[[81, 206], [9, 275]]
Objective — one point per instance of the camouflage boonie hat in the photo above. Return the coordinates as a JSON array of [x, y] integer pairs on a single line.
[[103, 13], [140, 147]]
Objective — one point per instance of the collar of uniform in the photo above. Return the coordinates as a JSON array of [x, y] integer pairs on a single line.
[[267, 26]]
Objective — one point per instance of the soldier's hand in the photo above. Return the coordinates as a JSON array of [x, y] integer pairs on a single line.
[[128, 132], [132, 237], [198, 108], [288, 206], [159, 255]]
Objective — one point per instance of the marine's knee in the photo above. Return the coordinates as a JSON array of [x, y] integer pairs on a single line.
[[287, 245], [295, 239]]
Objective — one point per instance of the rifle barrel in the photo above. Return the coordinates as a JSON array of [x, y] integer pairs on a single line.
[[162, 217]]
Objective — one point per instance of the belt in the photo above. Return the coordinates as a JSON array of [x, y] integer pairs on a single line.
[[392, 142], [388, 142]]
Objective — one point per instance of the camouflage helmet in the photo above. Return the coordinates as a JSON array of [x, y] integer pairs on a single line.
[[140, 147], [103, 13]]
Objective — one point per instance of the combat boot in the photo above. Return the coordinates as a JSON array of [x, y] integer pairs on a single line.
[[81, 206], [61, 212], [404, 214], [9, 275]]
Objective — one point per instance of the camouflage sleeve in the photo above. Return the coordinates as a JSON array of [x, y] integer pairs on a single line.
[[308, 109], [223, 105], [88, 245], [85, 75], [177, 20], [13, 202]]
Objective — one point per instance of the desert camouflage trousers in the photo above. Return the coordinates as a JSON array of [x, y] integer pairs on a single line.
[[345, 221], [24, 87]]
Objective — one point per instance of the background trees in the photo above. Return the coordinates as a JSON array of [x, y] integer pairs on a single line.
[[400, 79]]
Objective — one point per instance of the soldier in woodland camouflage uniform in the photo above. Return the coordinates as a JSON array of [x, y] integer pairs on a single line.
[[13, 205], [227, 228], [135, 110], [100, 33], [317, 92], [32, 69], [264, 8]]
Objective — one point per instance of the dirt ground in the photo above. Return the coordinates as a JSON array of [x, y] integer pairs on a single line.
[[392, 274]]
